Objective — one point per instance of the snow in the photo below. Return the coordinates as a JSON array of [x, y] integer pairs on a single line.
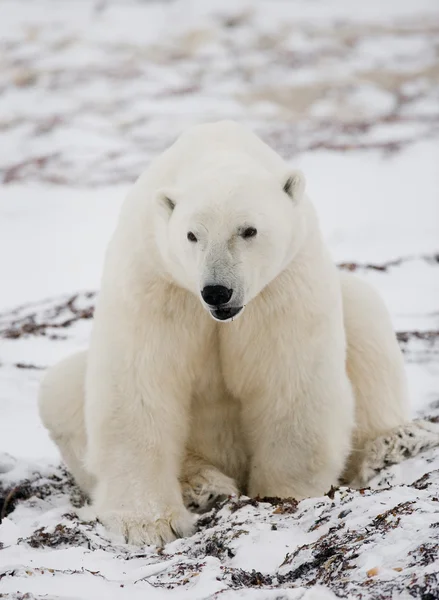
[[91, 91], [52, 261]]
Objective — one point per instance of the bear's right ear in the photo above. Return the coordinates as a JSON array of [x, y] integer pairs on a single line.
[[294, 185], [166, 198]]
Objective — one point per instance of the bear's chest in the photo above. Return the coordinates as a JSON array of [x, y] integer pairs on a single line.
[[253, 355], [215, 423]]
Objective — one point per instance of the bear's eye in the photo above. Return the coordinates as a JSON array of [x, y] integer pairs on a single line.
[[191, 237], [249, 232]]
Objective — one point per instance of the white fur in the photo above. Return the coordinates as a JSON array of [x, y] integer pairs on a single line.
[[178, 408]]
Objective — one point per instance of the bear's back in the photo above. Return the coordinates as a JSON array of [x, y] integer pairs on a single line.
[[210, 147], [228, 137]]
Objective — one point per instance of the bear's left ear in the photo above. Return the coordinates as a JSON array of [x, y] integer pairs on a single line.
[[294, 185], [166, 198]]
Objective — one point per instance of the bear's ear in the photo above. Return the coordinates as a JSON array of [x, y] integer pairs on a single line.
[[166, 198], [294, 185]]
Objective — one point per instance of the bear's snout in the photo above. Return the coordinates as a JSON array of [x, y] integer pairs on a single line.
[[216, 295]]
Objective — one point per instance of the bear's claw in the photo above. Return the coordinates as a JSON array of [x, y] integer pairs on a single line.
[[141, 529], [203, 489]]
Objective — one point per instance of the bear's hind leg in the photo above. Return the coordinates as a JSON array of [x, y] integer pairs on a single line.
[[61, 405], [375, 368], [203, 484], [397, 445]]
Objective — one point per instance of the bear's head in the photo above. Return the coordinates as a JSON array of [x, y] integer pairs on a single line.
[[226, 237]]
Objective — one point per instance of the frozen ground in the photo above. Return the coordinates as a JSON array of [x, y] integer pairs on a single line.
[[90, 91]]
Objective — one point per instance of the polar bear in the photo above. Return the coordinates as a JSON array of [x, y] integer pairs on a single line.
[[228, 353]]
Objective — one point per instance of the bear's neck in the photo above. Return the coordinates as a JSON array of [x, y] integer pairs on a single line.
[[310, 276]]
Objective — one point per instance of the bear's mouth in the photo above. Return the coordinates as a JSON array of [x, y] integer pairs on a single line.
[[226, 313]]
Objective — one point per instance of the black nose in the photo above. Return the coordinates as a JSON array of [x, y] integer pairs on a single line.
[[215, 295]]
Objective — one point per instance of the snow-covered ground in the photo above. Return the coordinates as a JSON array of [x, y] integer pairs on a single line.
[[90, 91]]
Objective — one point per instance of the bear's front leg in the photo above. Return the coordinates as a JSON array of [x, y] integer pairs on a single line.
[[135, 449], [138, 389], [299, 445]]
